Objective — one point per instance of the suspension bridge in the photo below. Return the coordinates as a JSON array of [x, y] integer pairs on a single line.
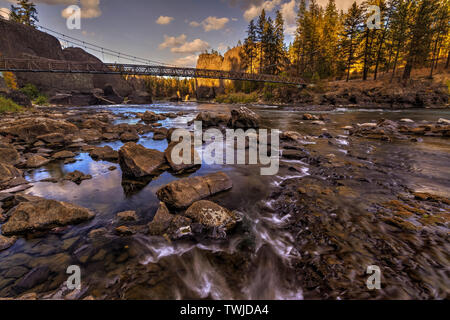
[[140, 66]]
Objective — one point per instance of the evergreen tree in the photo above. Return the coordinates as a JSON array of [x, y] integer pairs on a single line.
[[24, 13], [260, 33], [352, 29], [250, 46], [280, 48]]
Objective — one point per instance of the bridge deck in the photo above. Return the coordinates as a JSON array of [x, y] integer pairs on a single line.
[[55, 66]]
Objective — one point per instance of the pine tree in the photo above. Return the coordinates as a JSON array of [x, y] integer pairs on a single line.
[[421, 34], [330, 37], [280, 48], [351, 33], [250, 46], [440, 30], [299, 42], [24, 13], [260, 33]]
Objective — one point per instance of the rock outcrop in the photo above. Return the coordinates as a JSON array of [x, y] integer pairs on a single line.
[[244, 118], [42, 214], [211, 215], [182, 193]]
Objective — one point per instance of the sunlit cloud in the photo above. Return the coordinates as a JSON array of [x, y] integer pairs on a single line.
[[170, 42], [164, 20], [196, 45], [188, 61], [211, 23]]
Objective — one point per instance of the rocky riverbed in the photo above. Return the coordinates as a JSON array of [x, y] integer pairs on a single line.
[[96, 187]]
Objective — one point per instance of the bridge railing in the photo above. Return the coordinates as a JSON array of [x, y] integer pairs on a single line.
[[56, 66]]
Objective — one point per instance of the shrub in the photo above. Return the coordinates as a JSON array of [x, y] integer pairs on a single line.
[[10, 80], [30, 91], [41, 100], [7, 105]]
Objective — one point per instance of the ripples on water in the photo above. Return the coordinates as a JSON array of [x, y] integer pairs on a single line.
[[196, 270]]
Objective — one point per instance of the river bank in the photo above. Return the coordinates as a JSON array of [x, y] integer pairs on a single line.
[[352, 190]]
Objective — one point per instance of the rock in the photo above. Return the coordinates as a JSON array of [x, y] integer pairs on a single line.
[[97, 233], [52, 138], [406, 120], [291, 135], [368, 125], [151, 117], [310, 117], [29, 129], [63, 155], [129, 136], [127, 216], [7, 174], [6, 243], [104, 153], [140, 97], [8, 154], [443, 121], [182, 193], [33, 278], [212, 119], [124, 231], [160, 134], [77, 177], [137, 161], [42, 214], [166, 223], [211, 215], [90, 135], [318, 123], [161, 222], [182, 168], [36, 161], [244, 118]]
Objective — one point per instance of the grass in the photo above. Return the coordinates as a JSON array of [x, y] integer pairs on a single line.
[[237, 98], [41, 100], [7, 105]]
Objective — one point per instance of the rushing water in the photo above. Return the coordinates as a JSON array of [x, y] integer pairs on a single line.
[[252, 264]]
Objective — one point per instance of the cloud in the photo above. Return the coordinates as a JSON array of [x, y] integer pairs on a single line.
[[170, 42], [4, 13], [89, 8], [254, 10], [188, 61], [163, 20], [196, 45], [211, 23], [289, 12]]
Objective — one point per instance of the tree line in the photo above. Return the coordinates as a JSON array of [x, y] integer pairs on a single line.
[[333, 44]]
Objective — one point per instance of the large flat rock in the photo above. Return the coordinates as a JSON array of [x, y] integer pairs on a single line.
[[137, 161], [182, 193]]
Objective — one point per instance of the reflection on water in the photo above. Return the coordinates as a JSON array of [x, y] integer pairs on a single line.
[[253, 264]]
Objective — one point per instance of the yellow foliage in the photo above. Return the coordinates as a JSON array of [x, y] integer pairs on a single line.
[[10, 80]]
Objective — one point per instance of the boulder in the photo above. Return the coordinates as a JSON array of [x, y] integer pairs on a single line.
[[443, 121], [151, 117], [160, 134], [36, 161], [42, 214], [212, 119], [52, 138], [8, 173], [211, 215], [129, 136], [8, 154], [310, 117], [165, 223], [244, 118], [104, 153], [29, 129], [137, 161], [182, 193], [183, 167]]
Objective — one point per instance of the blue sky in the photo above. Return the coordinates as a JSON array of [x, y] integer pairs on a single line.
[[171, 31]]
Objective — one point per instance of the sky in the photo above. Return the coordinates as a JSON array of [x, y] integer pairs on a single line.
[[169, 31]]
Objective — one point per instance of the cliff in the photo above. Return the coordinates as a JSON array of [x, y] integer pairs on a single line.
[[231, 61], [20, 41]]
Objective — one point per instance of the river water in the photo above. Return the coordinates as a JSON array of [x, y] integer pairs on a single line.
[[254, 263]]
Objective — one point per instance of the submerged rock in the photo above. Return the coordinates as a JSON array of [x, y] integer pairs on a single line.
[[77, 177], [42, 214], [182, 193], [244, 118], [211, 215], [127, 216], [151, 117], [137, 161]]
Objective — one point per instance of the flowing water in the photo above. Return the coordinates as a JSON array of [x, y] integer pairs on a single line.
[[254, 262]]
